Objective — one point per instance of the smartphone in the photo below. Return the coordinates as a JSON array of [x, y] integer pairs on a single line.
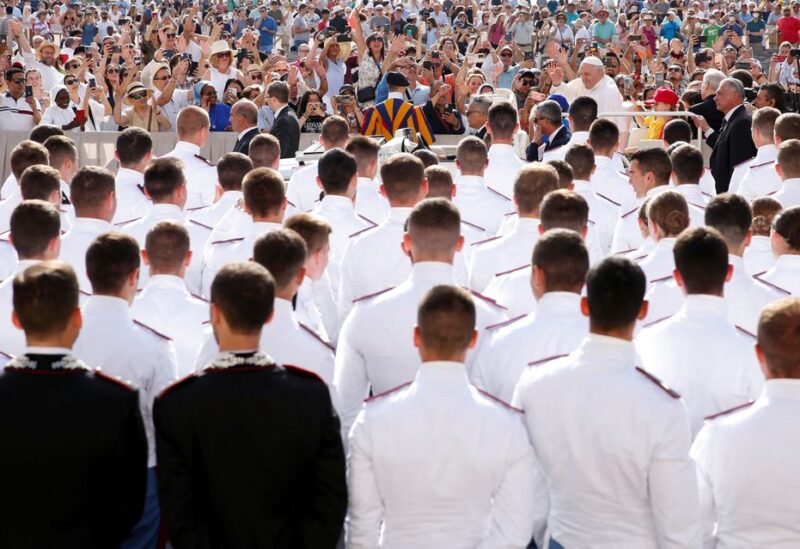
[[450, 109], [92, 83], [28, 91], [169, 54], [778, 58], [742, 65], [508, 36], [344, 38], [435, 55], [137, 60], [528, 56], [634, 38], [80, 115], [659, 79], [427, 65], [484, 37], [116, 49]]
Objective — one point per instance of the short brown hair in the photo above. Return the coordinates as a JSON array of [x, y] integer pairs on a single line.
[[279, 90], [264, 149], [167, 244], [34, 224], [38, 182], [264, 192], [789, 158], [565, 173], [163, 177], [110, 260], [446, 319], [533, 182], [45, 298], [729, 214], [687, 164], [90, 188], [787, 126], [440, 182], [764, 121], [562, 209], [402, 175], [244, 292], [562, 255], [314, 229], [580, 158], [655, 160], [61, 149], [669, 212], [435, 225], [283, 253], [701, 256], [502, 119], [364, 149], [472, 154], [26, 154], [335, 131], [779, 337], [603, 135], [231, 169]]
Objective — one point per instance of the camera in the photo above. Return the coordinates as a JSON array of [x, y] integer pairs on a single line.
[[28, 91], [435, 55], [344, 38], [795, 52], [116, 49]]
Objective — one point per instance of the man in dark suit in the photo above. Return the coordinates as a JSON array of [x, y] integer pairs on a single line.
[[244, 121], [73, 462], [708, 108], [286, 127], [733, 143], [268, 468], [550, 130]]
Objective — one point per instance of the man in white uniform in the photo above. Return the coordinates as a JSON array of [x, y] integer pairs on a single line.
[[760, 178], [134, 152], [788, 168], [405, 487], [504, 164], [610, 486], [370, 203]]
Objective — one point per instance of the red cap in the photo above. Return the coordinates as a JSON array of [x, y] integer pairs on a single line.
[[664, 94]]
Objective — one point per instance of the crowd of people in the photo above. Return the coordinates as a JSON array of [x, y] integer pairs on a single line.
[[581, 329]]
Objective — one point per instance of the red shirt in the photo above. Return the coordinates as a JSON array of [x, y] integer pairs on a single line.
[[789, 27]]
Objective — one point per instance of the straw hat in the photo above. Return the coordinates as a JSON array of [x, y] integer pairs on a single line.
[[220, 46], [135, 87], [48, 44]]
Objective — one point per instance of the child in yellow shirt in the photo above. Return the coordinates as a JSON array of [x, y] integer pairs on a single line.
[[664, 100]]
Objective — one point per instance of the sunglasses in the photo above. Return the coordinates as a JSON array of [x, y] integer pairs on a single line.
[[256, 76], [138, 95], [18, 81], [506, 55], [675, 70], [70, 82], [71, 66], [224, 54], [171, 35]]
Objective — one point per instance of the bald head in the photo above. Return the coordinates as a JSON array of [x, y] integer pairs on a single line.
[[246, 111]]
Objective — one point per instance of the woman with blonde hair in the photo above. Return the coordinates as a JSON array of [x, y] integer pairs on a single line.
[[222, 67], [142, 111]]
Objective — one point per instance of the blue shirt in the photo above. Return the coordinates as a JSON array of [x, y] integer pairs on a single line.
[[670, 29], [266, 40], [756, 26], [89, 32], [220, 116], [604, 31]]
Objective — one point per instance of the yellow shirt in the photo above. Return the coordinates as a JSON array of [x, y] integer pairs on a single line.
[[655, 126]]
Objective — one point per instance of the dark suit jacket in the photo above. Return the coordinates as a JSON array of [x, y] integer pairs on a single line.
[[561, 139], [250, 456], [708, 110], [733, 144], [73, 462], [287, 130], [243, 145]]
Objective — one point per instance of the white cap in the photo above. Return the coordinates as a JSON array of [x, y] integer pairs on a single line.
[[592, 61]]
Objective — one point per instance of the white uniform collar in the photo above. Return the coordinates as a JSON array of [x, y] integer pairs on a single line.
[[655, 190], [99, 225], [788, 261], [527, 224], [284, 310], [792, 183], [501, 149], [23, 264], [433, 270], [398, 214], [107, 304], [782, 388], [559, 300], [396, 95], [171, 282], [188, 147], [47, 351], [336, 201], [442, 371], [700, 303], [579, 138], [470, 181], [602, 161], [167, 209], [766, 152], [129, 175], [608, 350]]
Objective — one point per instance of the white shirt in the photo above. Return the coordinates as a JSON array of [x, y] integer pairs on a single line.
[[746, 471], [746, 297], [8, 257], [627, 234], [376, 347], [12, 339], [504, 165], [700, 354], [556, 328], [605, 93], [441, 465], [76, 241], [370, 203], [212, 215], [284, 339], [303, 190], [512, 290], [603, 213], [789, 193], [167, 306], [219, 253], [760, 177], [758, 256], [340, 212], [502, 253], [614, 447], [16, 114], [132, 203], [50, 75], [179, 100], [659, 264], [615, 187], [580, 138], [110, 340], [10, 186], [739, 171], [784, 276], [201, 175], [198, 235], [696, 202], [480, 205]]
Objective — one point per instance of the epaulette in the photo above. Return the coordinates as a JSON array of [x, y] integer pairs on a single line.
[[743, 162], [500, 401], [745, 332], [290, 203], [369, 296], [151, 330], [654, 322], [84, 292], [177, 383], [514, 270], [639, 257], [661, 279], [498, 193], [121, 223], [505, 323], [197, 296], [590, 222], [361, 231], [509, 214], [771, 285], [368, 220], [141, 188], [488, 300], [485, 240], [390, 391], [730, 410], [709, 195], [228, 240], [5, 234], [547, 359], [303, 371], [768, 162], [201, 224], [5, 355], [473, 225], [316, 336], [696, 205], [626, 214], [116, 380], [623, 252], [196, 208], [773, 192], [663, 386], [204, 160], [604, 197]]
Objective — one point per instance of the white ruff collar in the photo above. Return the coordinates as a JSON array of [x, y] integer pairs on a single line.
[[69, 362], [230, 360]]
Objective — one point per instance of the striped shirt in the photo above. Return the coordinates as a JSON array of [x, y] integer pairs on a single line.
[[15, 114]]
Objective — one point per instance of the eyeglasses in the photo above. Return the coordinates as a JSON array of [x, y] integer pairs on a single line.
[[171, 35], [18, 80], [675, 70], [256, 76], [71, 82], [138, 95], [224, 54], [112, 70]]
